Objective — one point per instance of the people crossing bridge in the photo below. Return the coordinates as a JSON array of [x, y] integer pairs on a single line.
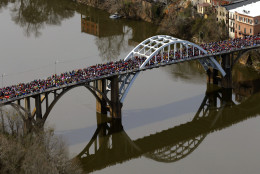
[[135, 63]]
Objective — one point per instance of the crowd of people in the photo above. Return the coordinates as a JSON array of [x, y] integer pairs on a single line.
[[110, 68]]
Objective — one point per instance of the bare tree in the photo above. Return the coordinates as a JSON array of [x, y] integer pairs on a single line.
[[29, 153]]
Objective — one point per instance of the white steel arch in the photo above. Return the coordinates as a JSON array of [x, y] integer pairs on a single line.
[[162, 44], [175, 50]]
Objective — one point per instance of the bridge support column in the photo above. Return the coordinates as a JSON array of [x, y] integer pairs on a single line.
[[101, 106], [115, 101], [28, 121], [38, 107], [226, 81], [101, 112]]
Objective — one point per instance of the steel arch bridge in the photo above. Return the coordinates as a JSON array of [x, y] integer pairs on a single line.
[[153, 52], [176, 50]]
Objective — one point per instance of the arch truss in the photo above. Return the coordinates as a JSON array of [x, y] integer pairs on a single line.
[[162, 49], [167, 49]]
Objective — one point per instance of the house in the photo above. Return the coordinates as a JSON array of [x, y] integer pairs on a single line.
[[247, 19], [204, 9]]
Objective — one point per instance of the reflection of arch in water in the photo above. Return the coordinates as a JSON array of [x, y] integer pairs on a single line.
[[180, 150], [216, 112], [177, 152], [166, 146]]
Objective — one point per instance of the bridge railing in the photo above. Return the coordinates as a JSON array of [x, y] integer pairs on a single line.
[[162, 63]]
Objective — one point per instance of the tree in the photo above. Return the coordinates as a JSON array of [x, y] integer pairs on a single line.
[[40, 152]]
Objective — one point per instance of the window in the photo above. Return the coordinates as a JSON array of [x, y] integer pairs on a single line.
[[250, 21], [250, 30], [245, 30], [236, 17], [256, 21], [238, 27], [246, 20]]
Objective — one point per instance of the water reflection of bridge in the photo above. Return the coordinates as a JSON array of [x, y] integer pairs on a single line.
[[111, 145]]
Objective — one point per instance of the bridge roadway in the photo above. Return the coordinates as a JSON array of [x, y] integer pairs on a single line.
[[122, 73], [175, 143]]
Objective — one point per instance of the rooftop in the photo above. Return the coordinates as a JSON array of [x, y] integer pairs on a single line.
[[251, 9], [238, 3]]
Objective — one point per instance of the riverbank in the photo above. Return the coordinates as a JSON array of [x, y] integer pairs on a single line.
[[148, 11], [178, 18]]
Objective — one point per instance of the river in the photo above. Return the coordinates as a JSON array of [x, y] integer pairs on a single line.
[[164, 129]]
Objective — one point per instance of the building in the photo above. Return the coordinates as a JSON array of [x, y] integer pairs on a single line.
[[247, 19], [222, 10], [203, 8], [226, 12]]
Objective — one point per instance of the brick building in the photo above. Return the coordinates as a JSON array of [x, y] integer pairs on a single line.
[[247, 19]]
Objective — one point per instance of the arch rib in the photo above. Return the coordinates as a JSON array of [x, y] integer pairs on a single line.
[[152, 46], [155, 46], [90, 88]]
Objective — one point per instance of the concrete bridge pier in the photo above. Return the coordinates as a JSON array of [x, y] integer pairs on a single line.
[[101, 113], [101, 105], [226, 64], [116, 105], [113, 105]]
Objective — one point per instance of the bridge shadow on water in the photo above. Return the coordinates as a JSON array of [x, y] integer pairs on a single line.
[[219, 109]]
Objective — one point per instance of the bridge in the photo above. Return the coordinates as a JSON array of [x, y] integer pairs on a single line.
[[110, 144], [110, 82]]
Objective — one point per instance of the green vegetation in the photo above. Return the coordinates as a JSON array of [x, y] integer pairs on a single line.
[[31, 153], [126, 7], [187, 24]]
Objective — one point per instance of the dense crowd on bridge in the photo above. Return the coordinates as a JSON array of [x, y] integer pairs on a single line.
[[110, 68]]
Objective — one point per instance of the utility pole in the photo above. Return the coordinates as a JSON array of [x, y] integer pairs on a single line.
[[3, 79], [56, 61]]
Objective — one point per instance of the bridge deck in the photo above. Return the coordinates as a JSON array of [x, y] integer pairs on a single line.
[[135, 70]]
